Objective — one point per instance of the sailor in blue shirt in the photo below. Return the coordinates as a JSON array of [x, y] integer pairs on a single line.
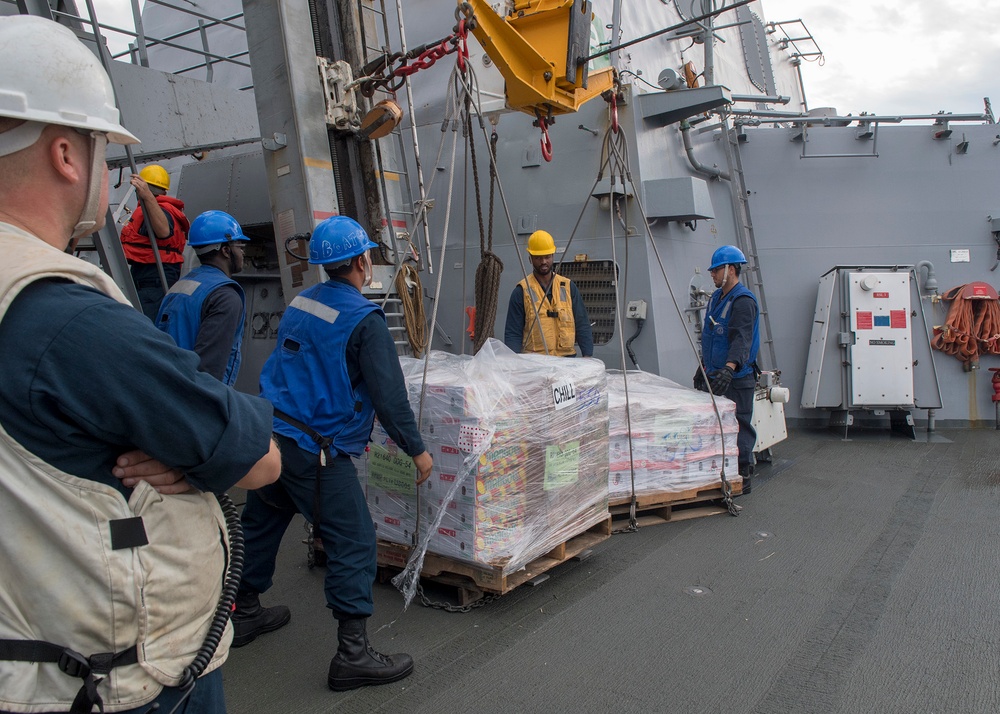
[[334, 368], [206, 309], [730, 340], [104, 601]]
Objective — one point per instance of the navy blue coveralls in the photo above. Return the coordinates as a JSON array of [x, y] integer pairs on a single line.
[[334, 368], [731, 334]]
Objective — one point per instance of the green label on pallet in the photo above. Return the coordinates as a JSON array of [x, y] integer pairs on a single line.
[[391, 470], [562, 465]]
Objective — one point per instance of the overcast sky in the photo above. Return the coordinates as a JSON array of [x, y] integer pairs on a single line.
[[881, 56], [900, 56]]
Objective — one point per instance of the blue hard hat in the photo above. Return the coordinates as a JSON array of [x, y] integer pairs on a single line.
[[727, 255], [214, 227], [337, 239]]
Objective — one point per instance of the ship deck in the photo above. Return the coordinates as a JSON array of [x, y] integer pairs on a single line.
[[859, 577]]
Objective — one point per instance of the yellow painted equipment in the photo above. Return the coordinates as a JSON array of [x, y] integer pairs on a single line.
[[539, 50]]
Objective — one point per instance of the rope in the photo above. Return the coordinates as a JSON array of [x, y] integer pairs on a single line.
[[411, 295], [971, 329], [490, 266]]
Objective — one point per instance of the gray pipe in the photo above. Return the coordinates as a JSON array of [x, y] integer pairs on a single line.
[[709, 72], [930, 284], [711, 171], [761, 98]]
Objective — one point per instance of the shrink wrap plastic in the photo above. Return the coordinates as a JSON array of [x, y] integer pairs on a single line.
[[520, 447], [676, 444]]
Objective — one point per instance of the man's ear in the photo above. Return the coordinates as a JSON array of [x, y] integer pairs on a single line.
[[66, 158]]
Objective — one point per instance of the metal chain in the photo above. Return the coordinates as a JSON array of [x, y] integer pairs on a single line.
[[727, 492], [376, 77], [486, 599]]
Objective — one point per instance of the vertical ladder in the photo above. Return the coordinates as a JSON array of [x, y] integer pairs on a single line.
[[745, 234], [392, 166], [391, 163], [393, 308]]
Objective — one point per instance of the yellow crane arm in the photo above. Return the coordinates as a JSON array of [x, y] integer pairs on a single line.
[[538, 49]]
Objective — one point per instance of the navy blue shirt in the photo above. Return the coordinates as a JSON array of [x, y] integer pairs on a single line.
[[513, 333], [371, 357], [742, 317], [87, 378], [221, 314]]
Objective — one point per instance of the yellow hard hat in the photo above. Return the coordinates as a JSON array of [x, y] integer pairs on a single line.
[[156, 175], [541, 243]]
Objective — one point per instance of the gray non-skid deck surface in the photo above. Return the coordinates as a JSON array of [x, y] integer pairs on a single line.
[[860, 577]]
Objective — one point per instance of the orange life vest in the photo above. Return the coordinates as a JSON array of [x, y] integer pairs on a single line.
[[137, 246]]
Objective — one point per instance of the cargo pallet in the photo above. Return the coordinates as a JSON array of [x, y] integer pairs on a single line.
[[666, 507], [473, 582]]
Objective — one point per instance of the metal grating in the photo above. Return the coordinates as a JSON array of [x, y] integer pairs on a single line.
[[596, 280]]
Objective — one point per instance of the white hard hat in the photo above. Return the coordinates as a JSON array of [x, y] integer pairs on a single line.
[[49, 76]]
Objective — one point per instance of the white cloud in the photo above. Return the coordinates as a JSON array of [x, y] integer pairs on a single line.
[[899, 56], [881, 56]]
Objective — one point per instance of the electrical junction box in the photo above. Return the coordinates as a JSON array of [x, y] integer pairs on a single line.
[[870, 348], [635, 310], [881, 356], [684, 198]]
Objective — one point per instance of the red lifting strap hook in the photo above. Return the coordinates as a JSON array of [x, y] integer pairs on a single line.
[[614, 112], [543, 122], [546, 143]]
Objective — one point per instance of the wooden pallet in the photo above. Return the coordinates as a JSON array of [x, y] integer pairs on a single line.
[[656, 508], [474, 581]]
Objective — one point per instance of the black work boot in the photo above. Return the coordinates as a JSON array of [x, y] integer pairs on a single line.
[[357, 664], [746, 471], [250, 619]]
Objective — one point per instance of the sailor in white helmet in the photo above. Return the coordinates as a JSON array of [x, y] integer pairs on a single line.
[[109, 576]]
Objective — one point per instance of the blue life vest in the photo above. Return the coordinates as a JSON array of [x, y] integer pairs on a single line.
[[715, 332], [180, 312], [306, 375]]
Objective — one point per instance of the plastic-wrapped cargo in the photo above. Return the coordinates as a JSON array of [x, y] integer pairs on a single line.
[[676, 445], [520, 447]]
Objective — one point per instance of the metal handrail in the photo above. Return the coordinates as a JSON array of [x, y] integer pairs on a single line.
[[152, 42], [225, 21], [773, 27], [772, 117], [143, 41]]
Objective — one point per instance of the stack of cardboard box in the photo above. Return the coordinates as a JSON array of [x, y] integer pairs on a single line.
[[676, 444], [520, 447]]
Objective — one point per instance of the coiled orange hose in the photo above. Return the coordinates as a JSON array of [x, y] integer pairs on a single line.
[[971, 329]]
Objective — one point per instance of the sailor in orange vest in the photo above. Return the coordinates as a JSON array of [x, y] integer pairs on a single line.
[[546, 314], [169, 224]]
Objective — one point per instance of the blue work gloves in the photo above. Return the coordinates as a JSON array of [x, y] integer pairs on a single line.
[[699, 381], [720, 380]]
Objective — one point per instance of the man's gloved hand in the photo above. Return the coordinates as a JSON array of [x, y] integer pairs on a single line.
[[699, 381], [720, 380]]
